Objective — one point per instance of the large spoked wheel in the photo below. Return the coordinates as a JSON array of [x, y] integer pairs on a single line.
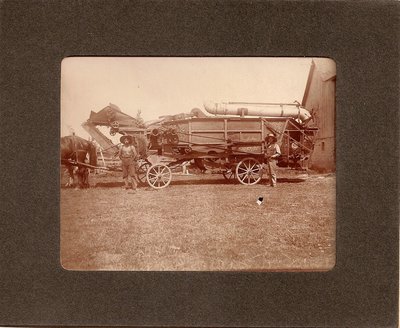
[[142, 173], [249, 171], [159, 176]]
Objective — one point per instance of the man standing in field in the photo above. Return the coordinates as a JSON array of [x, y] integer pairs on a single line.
[[271, 153], [128, 155]]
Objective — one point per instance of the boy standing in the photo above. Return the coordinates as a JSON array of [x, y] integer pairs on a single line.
[[272, 152]]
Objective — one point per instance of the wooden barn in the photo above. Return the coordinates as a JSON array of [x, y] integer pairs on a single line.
[[319, 99]]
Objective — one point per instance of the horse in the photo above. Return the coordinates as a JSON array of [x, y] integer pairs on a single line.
[[76, 148]]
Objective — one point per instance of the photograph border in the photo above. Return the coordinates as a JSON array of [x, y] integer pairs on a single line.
[[201, 222], [362, 289]]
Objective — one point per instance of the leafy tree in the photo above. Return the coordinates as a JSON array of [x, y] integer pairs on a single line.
[[139, 119]]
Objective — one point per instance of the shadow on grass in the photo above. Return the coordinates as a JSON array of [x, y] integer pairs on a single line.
[[195, 182], [226, 182], [202, 182], [290, 180], [113, 184]]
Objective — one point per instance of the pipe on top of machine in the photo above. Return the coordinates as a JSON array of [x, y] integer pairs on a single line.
[[293, 110]]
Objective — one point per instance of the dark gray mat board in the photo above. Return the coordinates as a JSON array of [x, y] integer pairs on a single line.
[[362, 37]]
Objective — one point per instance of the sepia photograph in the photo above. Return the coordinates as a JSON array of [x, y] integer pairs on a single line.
[[197, 164]]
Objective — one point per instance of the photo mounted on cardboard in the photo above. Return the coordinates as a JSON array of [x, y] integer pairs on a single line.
[[198, 164]]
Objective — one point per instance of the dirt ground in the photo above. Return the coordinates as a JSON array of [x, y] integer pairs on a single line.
[[199, 222]]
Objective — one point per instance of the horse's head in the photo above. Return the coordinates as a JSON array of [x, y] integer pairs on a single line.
[[66, 148]]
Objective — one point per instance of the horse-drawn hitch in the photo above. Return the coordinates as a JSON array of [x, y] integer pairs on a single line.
[[224, 142]]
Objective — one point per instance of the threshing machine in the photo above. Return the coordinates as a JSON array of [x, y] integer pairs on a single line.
[[226, 136]]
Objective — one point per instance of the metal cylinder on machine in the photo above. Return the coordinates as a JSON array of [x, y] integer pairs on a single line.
[[258, 109], [197, 112]]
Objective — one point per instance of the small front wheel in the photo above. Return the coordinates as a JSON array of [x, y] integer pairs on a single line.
[[159, 176], [142, 173], [249, 171]]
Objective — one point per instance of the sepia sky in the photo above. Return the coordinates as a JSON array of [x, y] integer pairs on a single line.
[[170, 85]]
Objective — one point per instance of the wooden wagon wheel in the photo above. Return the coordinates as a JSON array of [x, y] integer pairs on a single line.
[[142, 173], [159, 176], [249, 171]]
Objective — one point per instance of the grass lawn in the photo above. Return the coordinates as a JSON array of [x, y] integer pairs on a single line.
[[199, 222]]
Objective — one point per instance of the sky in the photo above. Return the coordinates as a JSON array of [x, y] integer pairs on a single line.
[[171, 85]]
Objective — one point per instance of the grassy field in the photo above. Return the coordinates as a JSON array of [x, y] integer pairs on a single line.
[[199, 222]]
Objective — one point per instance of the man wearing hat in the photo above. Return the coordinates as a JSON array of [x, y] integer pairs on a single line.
[[271, 152], [127, 154]]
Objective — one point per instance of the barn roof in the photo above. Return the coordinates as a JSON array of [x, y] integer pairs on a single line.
[[325, 68]]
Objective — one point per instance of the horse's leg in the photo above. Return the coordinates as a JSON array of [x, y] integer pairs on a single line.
[[75, 174], [83, 177], [70, 182], [79, 173], [87, 173]]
